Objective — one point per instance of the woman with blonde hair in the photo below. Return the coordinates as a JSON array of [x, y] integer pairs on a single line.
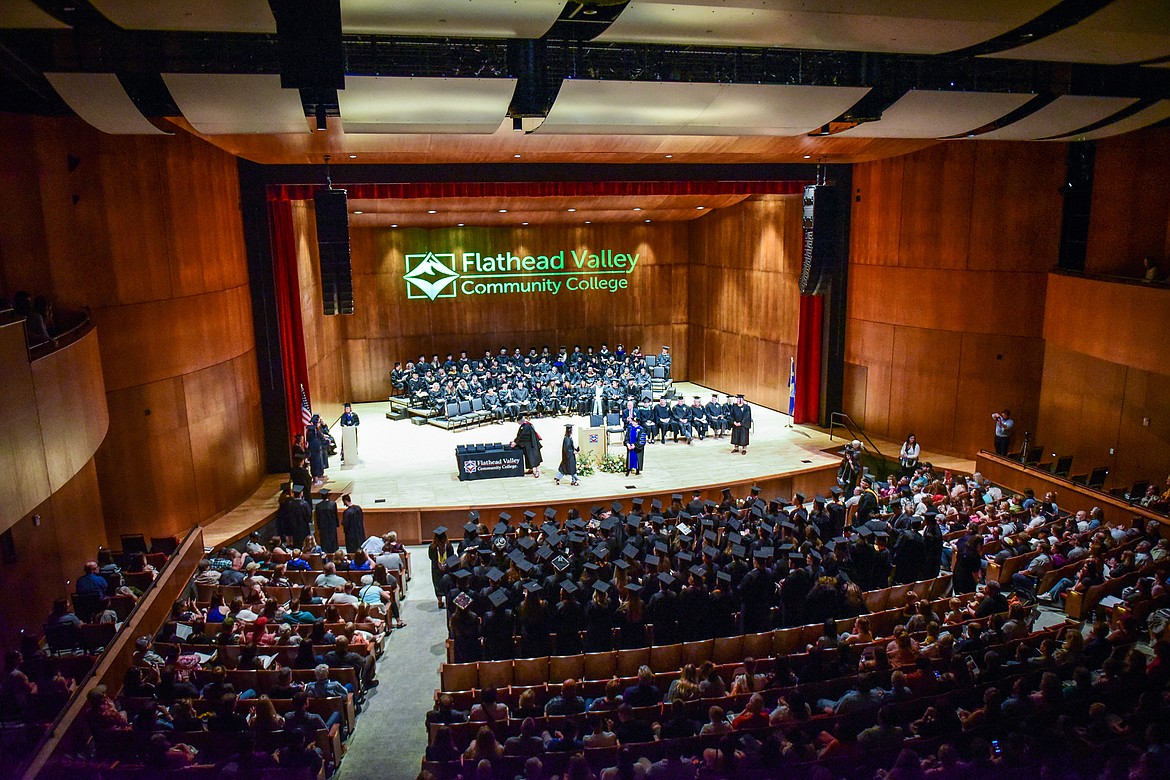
[[685, 687], [263, 718]]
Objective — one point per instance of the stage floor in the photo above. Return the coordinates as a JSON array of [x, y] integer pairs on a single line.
[[405, 465]]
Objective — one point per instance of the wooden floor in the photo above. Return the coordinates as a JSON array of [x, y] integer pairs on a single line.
[[404, 466]]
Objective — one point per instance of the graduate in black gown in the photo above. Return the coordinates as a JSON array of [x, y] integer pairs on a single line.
[[325, 515], [740, 417], [635, 447], [354, 523], [568, 466], [528, 440], [443, 560]]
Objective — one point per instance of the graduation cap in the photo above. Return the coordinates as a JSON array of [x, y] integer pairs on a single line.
[[516, 556], [531, 587], [473, 516], [796, 556], [656, 519], [765, 553], [881, 535], [575, 523], [463, 601], [608, 524], [494, 575], [554, 539], [738, 551], [601, 551], [676, 496], [526, 543], [595, 510], [601, 586], [734, 524], [470, 528], [726, 491], [505, 517], [685, 557], [441, 530], [621, 563], [525, 567], [550, 513], [633, 587], [560, 563], [297, 488], [651, 560], [698, 570], [529, 515], [757, 512], [616, 506], [501, 528], [709, 550], [461, 574], [836, 491], [818, 499], [735, 538], [545, 552], [831, 546], [638, 501], [865, 532], [568, 586], [323, 492], [666, 578], [630, 551], [709, 504], [787, 525], [723, 576], [592, 567], [576, 537], [656, 504], [661, 547], [815, 555], [755, 488], [710, 536], [767, 529], [633, 520], [498, 597]]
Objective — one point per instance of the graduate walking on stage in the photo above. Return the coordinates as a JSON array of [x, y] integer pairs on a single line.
[[740, 416], [569, 450], [528, 440], [635, 447]]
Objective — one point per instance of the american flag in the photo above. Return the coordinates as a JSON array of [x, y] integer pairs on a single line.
[[306, 410]]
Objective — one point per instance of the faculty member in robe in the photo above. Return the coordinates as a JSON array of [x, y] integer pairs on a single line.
[[716, 417], [528, 440], [568, 466], [662, 419], [635, 447], [353, 522], [349, 419], [740, 416], [325, 515]]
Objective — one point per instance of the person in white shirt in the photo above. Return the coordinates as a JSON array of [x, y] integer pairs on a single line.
[[329, 578], [908, 454]]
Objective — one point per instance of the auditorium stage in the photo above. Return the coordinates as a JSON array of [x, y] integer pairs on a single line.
[[406, 478]]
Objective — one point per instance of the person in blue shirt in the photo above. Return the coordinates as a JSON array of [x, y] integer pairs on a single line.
[[92, 581]]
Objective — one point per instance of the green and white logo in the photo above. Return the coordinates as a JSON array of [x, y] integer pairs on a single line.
[[433, 275], [427, 276]]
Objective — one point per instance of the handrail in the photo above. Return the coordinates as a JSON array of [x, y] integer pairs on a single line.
[[855, 430], [190, 547]]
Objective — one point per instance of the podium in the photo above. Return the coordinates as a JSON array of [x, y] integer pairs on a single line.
[[592, 441], [349, 445]]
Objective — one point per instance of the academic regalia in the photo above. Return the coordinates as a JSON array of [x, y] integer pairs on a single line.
[[662, 420], [680, 420], [528, 440], [716, 418], [568, 466], [318, 451], [635, 448], [497, 635], [284, 518], [354, 523], [568, 621], [442, 555], [301, 520], [598, 627], [465, 637], [741, 424], [325, 515]]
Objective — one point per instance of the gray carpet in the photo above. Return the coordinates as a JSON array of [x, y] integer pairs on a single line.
[[390, 737]]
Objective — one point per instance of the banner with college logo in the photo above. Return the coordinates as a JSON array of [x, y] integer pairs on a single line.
[[490, 464]]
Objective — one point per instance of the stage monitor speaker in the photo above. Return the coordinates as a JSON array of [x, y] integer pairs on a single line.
[[332, 211], [823, 251]]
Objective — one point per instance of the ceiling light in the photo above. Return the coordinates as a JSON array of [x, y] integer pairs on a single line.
[[588, 222], [353, 157], [808, 157], [523, 223], [359, 212], [516, 156], [503, 211], [393, 226], [432, 211], [637, 208], [700, 208], [669, 156], [572, 209], [460, 225], [647, 220]]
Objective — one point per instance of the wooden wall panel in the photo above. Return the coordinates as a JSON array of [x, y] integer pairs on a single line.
[[22, 234], [24, 477], [387, 326], [146, 233], [50, 554], [743, 297], [325, 349], [71, 407], [1130, 213], [1125, 324], [950, 249]]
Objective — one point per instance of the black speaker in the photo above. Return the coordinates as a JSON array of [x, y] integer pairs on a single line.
[[823, 250], [308, 37], [332, 210]]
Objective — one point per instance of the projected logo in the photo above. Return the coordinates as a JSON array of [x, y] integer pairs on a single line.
[[430, 276]]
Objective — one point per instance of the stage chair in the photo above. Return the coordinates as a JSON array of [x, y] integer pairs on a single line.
[[600, 666], [1097, 477], [596, 420], [1063, 466], [628, 661], [564, 667], [133, 543], [651, 361]]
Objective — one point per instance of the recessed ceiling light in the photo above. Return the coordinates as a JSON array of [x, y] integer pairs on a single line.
[[460, 225], [393, 226], [432, 211], [503, 211], [637, 208], [516, 156], [353, 157], [572, 209], [359, 212], [588, 222], [808, 157], [700, 208], [669, 156], [523, 223], [647, 220]]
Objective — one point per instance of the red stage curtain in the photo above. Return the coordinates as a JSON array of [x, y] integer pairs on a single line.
[[808, 359], [540, 189], [288, 310]]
